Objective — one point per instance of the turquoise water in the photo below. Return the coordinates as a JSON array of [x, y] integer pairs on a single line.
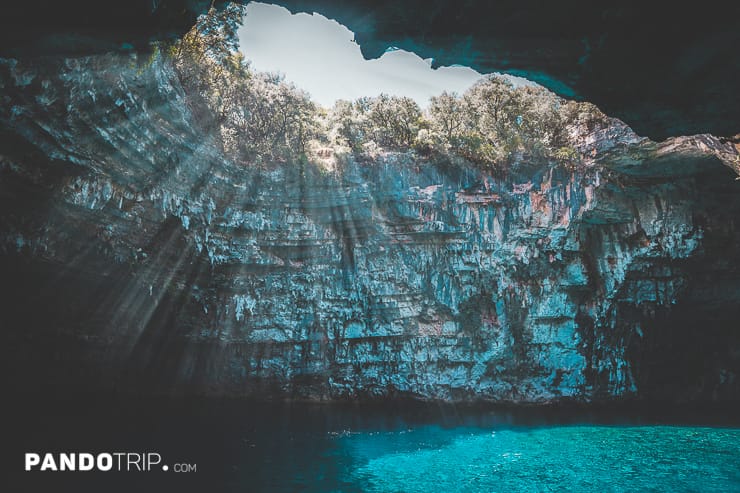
[[552, 458], [244, 447]]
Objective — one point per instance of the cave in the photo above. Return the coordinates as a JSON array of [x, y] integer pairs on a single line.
[[488, 233]]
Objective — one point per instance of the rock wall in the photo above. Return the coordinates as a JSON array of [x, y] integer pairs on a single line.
[[139, 258]]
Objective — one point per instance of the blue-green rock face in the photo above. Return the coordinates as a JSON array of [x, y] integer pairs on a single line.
[[152, 260]]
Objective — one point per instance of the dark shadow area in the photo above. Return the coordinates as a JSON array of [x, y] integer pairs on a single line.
[[692, 348], [240, 445]]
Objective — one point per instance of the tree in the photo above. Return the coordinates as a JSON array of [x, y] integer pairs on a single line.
[[260, 116], [539, 121], [269, 118], [447, 117], [490, 105], [208, 63], [348, 123], [394, 121], [257, 115]]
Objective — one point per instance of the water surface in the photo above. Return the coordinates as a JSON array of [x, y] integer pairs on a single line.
[[549, 458], [241, 446]]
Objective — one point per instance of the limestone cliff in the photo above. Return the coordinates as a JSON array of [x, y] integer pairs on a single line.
[[136, 256]]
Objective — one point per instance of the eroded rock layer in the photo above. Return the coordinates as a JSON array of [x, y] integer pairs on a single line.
[[136, 256]]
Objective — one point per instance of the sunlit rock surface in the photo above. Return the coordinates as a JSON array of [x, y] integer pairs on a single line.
[[136, 257]]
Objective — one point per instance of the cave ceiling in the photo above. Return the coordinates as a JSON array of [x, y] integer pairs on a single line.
[[664, 68]]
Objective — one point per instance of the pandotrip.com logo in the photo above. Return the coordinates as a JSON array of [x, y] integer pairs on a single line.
[[102, 462]]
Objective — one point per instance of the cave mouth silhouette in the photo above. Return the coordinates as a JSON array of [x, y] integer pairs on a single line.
[[320, 56], [665, 72]]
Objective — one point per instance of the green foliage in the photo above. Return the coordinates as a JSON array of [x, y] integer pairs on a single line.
[[448, 117], [584, 115], [268, 117], [394, 121], [493, 124], [501, 122], [207, 65], [260, 116], [348, 123], [566, 154], [390, 122]]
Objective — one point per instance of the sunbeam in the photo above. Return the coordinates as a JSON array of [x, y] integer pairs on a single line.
[[234, 246]]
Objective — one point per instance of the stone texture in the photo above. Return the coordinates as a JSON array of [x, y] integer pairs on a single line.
[[140, 258]]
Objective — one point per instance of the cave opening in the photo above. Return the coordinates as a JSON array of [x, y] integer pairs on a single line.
[[248, 246], [321, 56]]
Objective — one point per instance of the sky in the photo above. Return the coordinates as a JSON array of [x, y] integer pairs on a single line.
[[320, 56]]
